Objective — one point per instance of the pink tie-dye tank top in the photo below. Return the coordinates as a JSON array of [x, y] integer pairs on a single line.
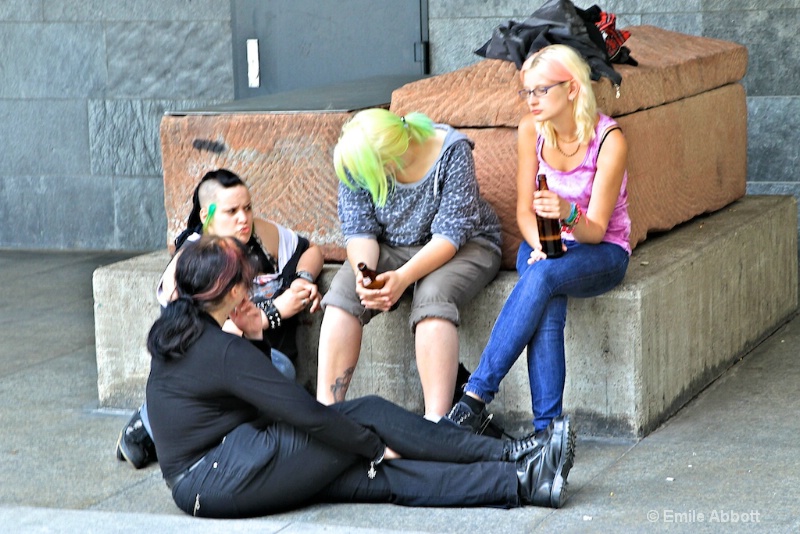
[[576, 186]]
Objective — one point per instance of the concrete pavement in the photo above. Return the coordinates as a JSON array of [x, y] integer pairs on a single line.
[[726, 462]]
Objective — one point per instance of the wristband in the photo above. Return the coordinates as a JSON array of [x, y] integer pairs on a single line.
[[305, 275], [272, 313]]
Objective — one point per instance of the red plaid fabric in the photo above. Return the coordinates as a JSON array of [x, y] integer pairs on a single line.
[[613, 37]]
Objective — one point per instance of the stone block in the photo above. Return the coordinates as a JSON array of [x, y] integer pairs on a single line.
[[672, 66], [58, 61], [773, 124], [124, 134], [693, 301], [286, 159], [125, 308], [169, 60], [681, 110], [770, 34], [33, 138], [21, 11], [68, 212], [137, 10], [693, 175], [448, 36], [140, 223]]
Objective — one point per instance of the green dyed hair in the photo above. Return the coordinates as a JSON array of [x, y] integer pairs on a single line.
[[372, 140]]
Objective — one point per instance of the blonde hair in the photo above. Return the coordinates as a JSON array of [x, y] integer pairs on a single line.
[[372, 139], [561, 62]]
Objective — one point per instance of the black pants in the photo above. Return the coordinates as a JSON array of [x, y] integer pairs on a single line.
[[259, 471]]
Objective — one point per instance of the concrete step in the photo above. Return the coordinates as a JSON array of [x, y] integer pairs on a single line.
[[693, 301]]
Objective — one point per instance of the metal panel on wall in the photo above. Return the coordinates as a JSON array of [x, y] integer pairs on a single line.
[[281, 45]]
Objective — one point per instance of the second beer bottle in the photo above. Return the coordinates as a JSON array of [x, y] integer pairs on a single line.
[[369, 276], [549, 229]]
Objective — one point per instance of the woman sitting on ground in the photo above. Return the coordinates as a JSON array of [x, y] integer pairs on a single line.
[[287, 263], [237, 439]]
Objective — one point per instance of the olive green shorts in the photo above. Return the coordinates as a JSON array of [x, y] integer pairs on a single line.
[[439, 294]]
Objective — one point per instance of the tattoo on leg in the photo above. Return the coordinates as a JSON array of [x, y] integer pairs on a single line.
[[339, 387]]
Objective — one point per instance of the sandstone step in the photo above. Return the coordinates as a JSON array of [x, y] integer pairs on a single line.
[[693, 301]]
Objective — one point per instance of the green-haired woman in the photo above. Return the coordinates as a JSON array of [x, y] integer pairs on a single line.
[[410, 208]]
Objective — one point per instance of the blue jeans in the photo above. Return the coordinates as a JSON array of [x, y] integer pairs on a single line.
[[534, 316]]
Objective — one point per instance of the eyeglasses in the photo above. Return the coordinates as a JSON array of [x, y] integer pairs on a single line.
[[525, 94]]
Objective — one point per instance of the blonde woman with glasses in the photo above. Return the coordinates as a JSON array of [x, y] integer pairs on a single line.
[[583, 153]]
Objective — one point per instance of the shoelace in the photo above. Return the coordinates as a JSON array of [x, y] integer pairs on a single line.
[[458, 415]]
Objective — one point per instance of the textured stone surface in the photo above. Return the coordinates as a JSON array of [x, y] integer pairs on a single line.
[[690, 23], [52, 61], [773, 125], [286, 159], [771, 38], [124, 134], [453, 41], [670, 155], [56, 212], [484, 94], [139, 219], [169, 60], [137, 10], [20, 10], [674, 173], [125, 307], [635, 355], [44, 137]]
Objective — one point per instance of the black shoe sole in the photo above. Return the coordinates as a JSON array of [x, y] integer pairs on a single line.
[[558, 494], [126, 454]]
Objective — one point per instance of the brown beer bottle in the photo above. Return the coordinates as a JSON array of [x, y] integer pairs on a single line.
[[369, 277], [549, 229]]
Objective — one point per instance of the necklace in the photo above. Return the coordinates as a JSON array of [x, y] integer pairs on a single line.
[[564, 153]]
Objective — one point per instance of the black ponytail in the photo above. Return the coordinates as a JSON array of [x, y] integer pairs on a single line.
[[175, 330]]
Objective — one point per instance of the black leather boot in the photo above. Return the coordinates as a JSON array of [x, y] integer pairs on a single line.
[[543, 473], [134, 443], [517, 449]]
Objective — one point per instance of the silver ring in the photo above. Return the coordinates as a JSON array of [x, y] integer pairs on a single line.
[[304, 302]]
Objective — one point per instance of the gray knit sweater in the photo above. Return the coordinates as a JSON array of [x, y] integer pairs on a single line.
[[446, 203]]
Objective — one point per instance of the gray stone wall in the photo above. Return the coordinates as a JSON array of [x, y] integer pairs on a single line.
[[768, 28], [85, 83]]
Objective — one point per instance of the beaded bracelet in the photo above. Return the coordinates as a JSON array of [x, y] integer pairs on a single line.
[[573, 213]]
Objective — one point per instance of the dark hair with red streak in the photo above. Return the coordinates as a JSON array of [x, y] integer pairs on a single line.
[[205, 273]]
